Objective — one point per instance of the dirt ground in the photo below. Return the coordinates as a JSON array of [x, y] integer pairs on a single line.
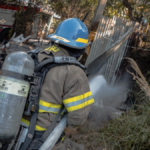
[[83, 135]]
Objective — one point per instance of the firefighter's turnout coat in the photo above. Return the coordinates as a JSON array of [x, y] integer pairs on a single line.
[[63, 85]]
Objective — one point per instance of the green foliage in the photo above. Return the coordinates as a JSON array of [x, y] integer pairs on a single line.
[[75, 8], [115, 7], [131, 131], [131, 9], [24, 20]]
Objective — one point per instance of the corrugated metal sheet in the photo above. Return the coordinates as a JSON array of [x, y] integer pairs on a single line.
[[108, 33]]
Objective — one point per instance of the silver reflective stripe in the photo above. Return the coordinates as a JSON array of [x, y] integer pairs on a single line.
[[49, 109], [24, 125], [78, 102]]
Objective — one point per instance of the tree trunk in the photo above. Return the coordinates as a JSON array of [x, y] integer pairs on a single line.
[[98, 13], [94, 25]]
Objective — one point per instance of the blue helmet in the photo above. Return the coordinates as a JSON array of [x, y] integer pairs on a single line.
[[72, 33]]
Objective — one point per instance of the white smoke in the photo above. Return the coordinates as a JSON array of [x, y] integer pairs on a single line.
[[106, 95], [108, 101]]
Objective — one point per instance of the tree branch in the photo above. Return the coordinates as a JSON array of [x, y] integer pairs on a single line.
[[130, 9]]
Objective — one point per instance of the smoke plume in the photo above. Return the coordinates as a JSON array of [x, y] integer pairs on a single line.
[[109, 101]]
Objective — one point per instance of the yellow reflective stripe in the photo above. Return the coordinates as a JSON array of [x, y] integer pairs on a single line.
[[78, 102], [63, 138], [27, 123], [76, 98], [49, 107], [52, 48], [73, 108], [46, 104], [82, 40]]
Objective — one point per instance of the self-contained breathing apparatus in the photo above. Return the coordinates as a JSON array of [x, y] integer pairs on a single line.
[[20, 88]]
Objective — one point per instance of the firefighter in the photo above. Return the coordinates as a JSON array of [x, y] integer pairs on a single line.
[[64, 85]]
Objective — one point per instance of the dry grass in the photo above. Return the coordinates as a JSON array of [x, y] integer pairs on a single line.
[[138, 76]]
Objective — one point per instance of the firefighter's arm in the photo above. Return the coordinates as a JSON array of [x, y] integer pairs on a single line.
[[77, 97]]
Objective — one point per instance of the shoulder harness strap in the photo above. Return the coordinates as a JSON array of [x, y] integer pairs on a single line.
[[59, 60]]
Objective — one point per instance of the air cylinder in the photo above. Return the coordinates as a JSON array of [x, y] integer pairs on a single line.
[[13, 93]]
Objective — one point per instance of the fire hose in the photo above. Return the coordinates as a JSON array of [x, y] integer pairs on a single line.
[[55, 134]]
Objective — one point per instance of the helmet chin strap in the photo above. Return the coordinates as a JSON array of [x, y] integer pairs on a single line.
[[80, 57], [57, 42]]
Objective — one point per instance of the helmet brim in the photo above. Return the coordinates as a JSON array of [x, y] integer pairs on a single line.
[[68, 43]]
